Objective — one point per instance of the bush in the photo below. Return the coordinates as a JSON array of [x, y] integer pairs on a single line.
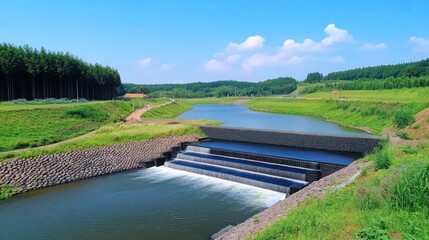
[[404, 135], [383, 159], [412, 190], [91, 113], [403, 117], [378, 231]]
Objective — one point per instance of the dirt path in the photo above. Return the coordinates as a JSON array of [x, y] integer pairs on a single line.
[[135, 117], [243, 102]]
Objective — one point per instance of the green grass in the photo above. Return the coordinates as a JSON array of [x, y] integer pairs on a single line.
[[389, 203], [211, 100], [32, 127], [398, 95], [6, 192], [113, 134], [183, 105], [167, 111], [374, 116]]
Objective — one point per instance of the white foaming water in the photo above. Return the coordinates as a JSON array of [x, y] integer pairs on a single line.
[[249, 195]]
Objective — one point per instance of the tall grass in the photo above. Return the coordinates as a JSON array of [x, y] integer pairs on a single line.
[[412, 190], [388, 204], [383, 158], [6, 192], [403, 117]]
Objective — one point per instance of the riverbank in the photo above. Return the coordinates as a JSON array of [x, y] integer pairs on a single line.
[[317, 189], [48, 170]]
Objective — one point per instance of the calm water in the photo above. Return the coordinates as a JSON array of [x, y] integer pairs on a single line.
[[240, 116], [156, 203]]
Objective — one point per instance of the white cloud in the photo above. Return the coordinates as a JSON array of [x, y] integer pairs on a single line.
[[259, 60], [233, 58], [252, 42], [335, 35], [145, 62], [291, 52], [373, 47], [215, 66], [421, 44], [308, 45], [166, 67]]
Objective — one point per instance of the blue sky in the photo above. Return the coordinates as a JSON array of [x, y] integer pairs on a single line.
[[163, 41]]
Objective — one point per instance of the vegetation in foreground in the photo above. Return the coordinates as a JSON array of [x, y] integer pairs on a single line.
[[388, 202]]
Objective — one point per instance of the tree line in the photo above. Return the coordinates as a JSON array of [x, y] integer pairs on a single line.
[[29, 73], [412, 69], [368, 84], [278, 86]]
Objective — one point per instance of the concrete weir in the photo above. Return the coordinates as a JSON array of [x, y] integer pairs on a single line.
[[276, 160]]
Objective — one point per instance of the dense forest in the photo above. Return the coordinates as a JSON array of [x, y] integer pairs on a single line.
[[278, 86], [413, 69], [30, 73]]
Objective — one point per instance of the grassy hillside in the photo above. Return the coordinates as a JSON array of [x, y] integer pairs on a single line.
[[32, 125]]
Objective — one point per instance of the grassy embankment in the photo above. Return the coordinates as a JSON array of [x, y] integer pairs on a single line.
[[56, 118], [32, 125], [387, 203], [389, 198], [372, 110]]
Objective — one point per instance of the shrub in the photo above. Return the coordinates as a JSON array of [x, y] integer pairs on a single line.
[[403, 117], [382, 159], [92, 113], [409, 150], [404, 135], [378, 231], [412, 190]]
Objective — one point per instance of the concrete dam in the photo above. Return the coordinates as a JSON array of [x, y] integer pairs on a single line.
[[281, 161]]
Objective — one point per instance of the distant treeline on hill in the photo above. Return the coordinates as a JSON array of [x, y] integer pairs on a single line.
[[278, 86], [413, 69], [30, 73]]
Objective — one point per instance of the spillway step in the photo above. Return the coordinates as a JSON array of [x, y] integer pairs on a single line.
[[304, 174], [259, 157], [275, 183]]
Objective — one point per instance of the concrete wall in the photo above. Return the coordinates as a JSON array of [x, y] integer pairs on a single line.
[[295, 139]]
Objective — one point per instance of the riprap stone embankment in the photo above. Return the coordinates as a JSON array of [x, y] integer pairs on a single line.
[[39, 172]]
